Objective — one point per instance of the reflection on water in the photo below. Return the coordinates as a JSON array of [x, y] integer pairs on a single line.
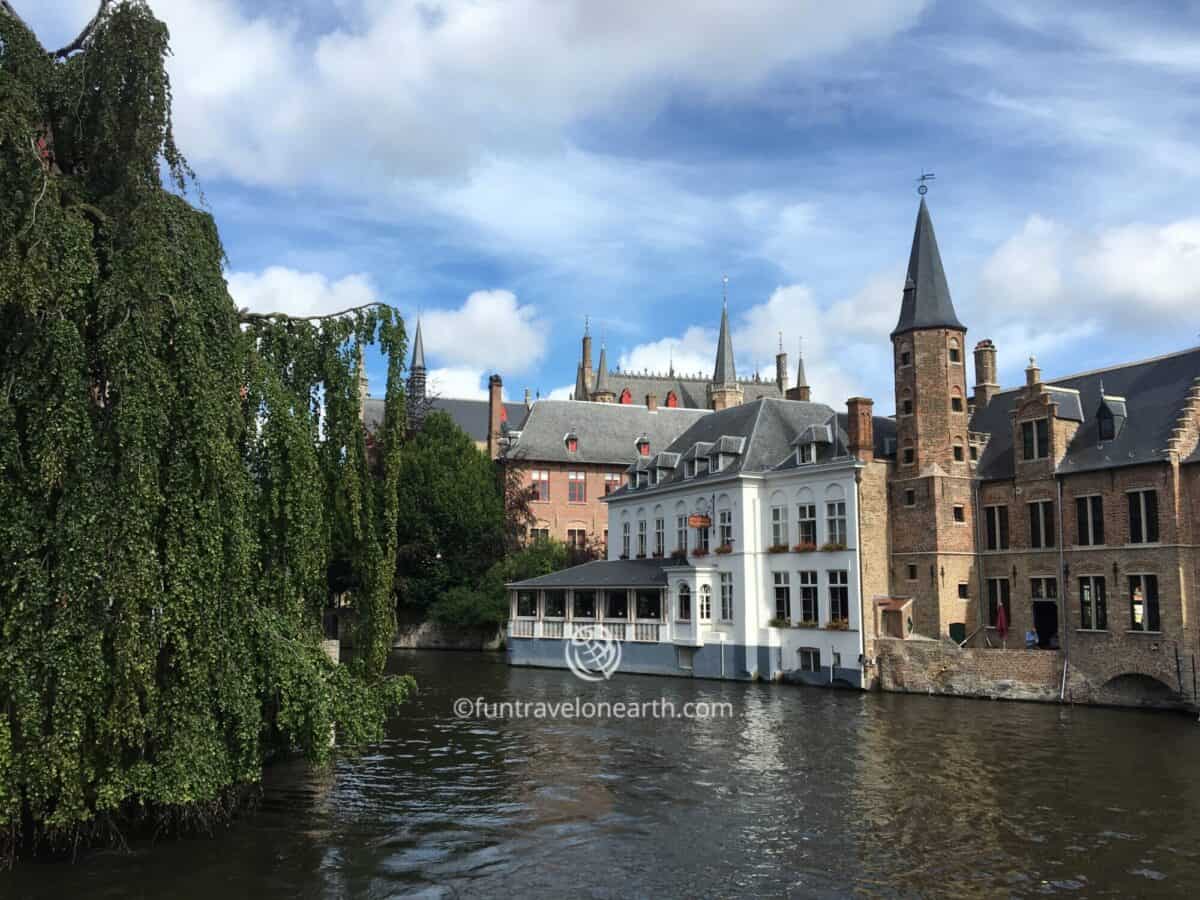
[[805, 792]]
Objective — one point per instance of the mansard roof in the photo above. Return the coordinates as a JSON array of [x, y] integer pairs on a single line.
[[926, 301], [607, 432], [767, 429], [1155, 392], [469, 415]]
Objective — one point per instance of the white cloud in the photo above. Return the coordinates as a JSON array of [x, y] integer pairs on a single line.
[[490, 331], [421, 88], [461, 383], [566, 392], [279, 289]]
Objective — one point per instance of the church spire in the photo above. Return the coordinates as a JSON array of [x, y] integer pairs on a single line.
[[724, 371], [603, 393], [418, 354], [926, 302]]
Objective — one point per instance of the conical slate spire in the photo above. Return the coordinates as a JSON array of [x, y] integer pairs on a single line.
[[581, 391], [723, 371], [418, 354], [801, 378], [602, 372], [926, 302]]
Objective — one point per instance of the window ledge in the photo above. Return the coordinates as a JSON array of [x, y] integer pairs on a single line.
[[1150, 633], [1093, 631]]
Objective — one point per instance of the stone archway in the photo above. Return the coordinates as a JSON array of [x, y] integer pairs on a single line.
[[1137, 689]]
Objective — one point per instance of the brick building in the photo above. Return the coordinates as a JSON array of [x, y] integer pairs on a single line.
[[1069, 501], [574, 454]]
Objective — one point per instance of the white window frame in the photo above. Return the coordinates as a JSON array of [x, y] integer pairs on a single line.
[[726, 596], [779, 526], [835, 522]]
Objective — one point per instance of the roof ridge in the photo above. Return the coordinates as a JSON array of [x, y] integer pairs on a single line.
[[1051, 382]]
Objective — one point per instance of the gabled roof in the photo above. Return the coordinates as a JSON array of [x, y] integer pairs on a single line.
[[724, 371], [926, 302], [607, 432], [1155, 391]]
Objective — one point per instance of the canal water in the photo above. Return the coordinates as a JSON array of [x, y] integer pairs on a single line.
[[803, 792]]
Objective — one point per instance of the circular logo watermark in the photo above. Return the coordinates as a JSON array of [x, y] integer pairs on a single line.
[[592, 653]]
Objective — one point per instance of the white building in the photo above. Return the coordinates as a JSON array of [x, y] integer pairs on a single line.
[[732, 554]]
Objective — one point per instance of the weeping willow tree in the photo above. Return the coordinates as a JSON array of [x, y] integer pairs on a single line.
[[177, 479]]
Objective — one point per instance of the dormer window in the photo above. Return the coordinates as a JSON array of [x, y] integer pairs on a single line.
[[1108, 428], [572, 442], [642, 477], [643, 446], [714, 463], [808, 453], [689, 469]]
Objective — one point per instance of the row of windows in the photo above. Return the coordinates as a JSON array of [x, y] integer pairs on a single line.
[[586, 604], [956, 404], [1089, 521], [539, 480], [909, 455], [1142, 597], [954, 353], [806, 525], [807, 595]]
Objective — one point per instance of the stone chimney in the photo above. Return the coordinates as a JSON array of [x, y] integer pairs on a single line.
[[781, 369], [528, 399], [860, 428], [495, 415], [1033, 374], [652, 402], [987, 384]]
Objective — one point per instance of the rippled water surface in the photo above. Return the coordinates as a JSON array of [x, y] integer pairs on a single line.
[[804, 792]]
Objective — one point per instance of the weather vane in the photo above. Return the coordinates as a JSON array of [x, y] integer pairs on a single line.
[[922, 187]]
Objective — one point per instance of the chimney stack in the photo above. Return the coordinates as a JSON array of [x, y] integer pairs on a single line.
[[495, 415], [652, 402], [1033, 375], [987, 384], [860, 428]]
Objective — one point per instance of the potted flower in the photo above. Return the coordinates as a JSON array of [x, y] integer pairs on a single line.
[[778, 548], [838, 625], [724, 549], [808, 623], [779, 623], [833, 546], [699, 551], [805, 547]]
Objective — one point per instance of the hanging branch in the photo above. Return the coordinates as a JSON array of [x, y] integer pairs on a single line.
[[5, 7], [244, 314], [79, 41]]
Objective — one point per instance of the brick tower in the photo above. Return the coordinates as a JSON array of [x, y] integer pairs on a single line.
[[931, 492]]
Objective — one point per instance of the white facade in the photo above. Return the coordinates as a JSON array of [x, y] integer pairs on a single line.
[[781, 570]]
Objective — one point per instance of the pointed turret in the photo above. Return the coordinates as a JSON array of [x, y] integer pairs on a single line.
[[418, 354], [416, 398], [724, 372], [801, 391], [926, 302], [603, 393]]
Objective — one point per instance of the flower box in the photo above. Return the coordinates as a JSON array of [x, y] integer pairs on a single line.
[[832, 547], [838, 625], [678, 554], [778, 548], [641, 556], [805, 547], [808, 623], [699, 552], [724, 549], [779, 623]]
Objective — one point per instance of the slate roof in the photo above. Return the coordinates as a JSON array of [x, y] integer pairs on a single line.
[[469, 415], [607, 432], [768, 427], [691, 392], [602, 372], [926, 301], [606, 573], [1155, 391]]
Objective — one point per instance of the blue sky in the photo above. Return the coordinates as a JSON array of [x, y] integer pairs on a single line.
[[507, 169]]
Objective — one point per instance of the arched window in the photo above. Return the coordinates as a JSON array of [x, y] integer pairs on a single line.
[[904, 354], [955, 351], [572, 442], [626, 397], [956, 400], [685, 603], [672, 400], [906, 404], [643, 445]]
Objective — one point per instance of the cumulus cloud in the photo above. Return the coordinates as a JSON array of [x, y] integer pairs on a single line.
[[491, 331], [460, 382], [279, 289]]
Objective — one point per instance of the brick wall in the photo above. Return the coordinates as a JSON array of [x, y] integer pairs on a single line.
[[937, 667], [559, 514]]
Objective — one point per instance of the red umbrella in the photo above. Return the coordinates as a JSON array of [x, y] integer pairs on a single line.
[[1002, 622]]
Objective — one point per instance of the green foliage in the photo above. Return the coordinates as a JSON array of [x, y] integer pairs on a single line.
[[176, 487], [450, 515], [486, 603]]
